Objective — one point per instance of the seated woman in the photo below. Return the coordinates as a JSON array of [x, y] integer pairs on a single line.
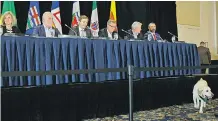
[[9, 23]]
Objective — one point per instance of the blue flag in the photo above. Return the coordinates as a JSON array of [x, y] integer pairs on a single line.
[[33, 19]]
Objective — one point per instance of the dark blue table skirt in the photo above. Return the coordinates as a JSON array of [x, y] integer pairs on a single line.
[[36, 54]]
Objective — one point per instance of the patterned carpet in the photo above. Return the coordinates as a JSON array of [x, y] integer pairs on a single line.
[[185, 112]]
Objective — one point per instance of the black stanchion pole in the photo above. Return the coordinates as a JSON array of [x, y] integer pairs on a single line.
[[130, 73]]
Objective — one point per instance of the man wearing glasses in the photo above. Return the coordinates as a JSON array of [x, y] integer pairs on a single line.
[[111, 31]]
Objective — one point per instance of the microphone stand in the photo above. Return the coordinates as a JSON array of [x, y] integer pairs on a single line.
[[71, 29]]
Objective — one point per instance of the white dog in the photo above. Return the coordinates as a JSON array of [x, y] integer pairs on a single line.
[[202, 93]]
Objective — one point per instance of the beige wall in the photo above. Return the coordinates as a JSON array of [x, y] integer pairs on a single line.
[[191, 31], [190, 11], [217, 27]]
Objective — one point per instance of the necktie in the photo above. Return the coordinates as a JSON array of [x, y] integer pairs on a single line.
[[82, 33], [52, 33], [154, 36]]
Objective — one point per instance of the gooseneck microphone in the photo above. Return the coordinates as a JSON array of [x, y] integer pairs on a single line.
[[172, 34], [71, 29], [126, 32]]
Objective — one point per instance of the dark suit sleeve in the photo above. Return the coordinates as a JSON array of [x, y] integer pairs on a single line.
[[158, 36], [35, 31], [100, 33], [146, 36], [57, 32], [16, 30], [90, 33], [140, 36]]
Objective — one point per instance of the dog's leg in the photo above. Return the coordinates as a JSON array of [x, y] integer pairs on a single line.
[[197, 102], [204, 104], [201, 106]]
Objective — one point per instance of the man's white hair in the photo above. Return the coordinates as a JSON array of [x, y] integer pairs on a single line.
[[45, 14], [136, 24]]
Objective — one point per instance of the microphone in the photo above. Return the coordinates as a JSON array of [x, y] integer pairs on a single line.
[[161, 38], [71, 29], [172, 34], [127, 32], [87, 27], [115, 35]]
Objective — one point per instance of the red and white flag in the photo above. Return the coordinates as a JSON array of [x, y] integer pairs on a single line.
[[55, 10], [75, 14]]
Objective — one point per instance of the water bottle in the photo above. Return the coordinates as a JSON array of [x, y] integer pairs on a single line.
[[115, 36], [173, 39]]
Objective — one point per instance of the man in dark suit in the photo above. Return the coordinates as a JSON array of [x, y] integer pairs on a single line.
[[151, 35], [111, 31], [82, 29], [135, 32], [46, 30], [205, 56]]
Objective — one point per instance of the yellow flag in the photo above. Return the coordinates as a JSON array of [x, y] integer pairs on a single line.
[[113, 13], [0, 19]]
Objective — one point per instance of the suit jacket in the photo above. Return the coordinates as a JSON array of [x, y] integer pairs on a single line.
[[146, 35], [139, 36], [40, 31], [204, 53], [103, 33], [14, 29], [76, 29]]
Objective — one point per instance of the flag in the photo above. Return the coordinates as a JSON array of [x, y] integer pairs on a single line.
[[0, 12], [0, 7], [113, 14], [33, 19], [94, 20], [9, 6], [55, 10], [75, 14]]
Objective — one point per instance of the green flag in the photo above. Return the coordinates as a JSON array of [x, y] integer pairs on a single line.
[[94, 25], [8, 6]]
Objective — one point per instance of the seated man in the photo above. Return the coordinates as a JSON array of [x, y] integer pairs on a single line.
[[151, 35], [82, 30], [135, 31], [46, 30], [110, 32]]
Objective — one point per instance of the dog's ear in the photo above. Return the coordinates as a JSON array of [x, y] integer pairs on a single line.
[[200, 92], [201, 79]]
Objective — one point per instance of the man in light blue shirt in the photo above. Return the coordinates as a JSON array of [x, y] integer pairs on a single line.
[[46, 30], [49, 32]]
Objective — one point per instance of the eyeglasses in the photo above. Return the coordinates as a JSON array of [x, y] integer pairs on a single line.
[[113, 26]]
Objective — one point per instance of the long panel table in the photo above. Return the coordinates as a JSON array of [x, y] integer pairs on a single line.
[[39, 54]]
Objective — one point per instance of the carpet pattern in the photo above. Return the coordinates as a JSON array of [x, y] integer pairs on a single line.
[[185, 112]]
